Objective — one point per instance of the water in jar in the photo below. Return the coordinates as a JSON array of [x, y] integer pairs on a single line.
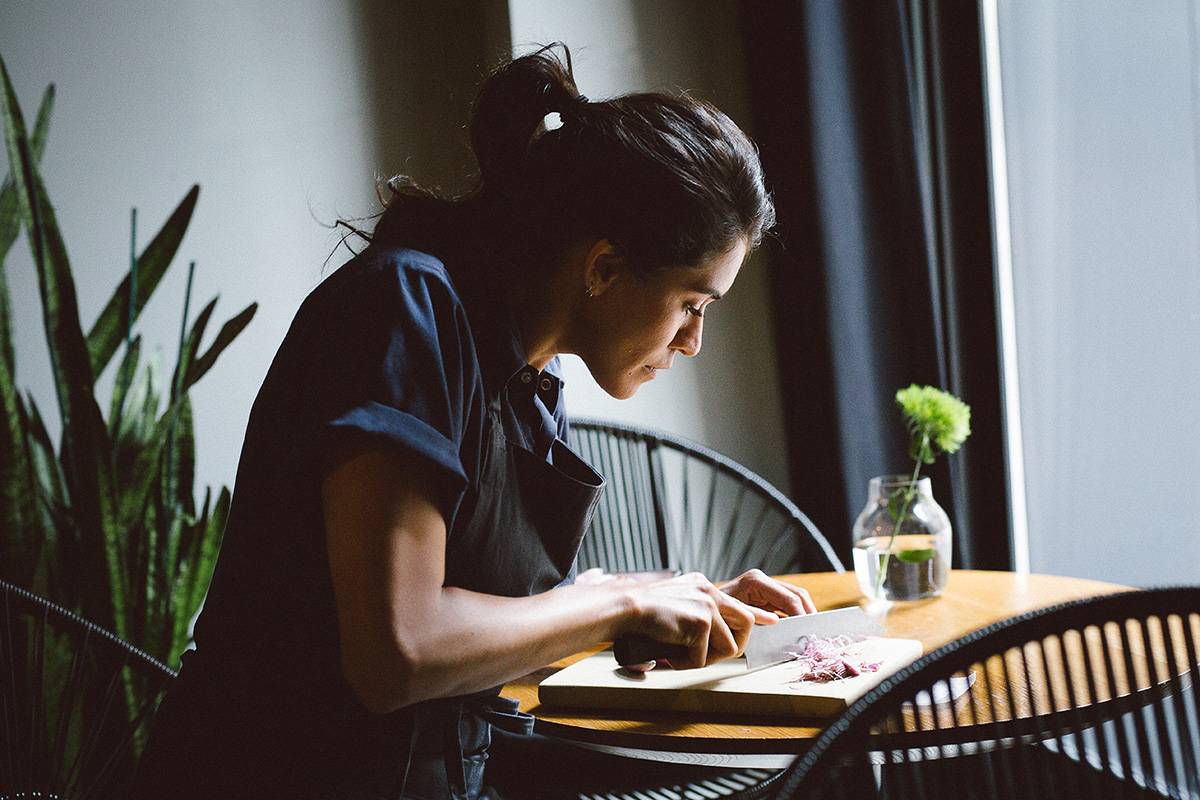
[[918, 565]]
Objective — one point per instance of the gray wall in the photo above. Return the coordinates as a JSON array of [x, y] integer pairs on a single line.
[[285, 112], [1101, 124]]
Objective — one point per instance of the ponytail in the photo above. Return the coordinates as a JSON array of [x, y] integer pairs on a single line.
[[667, 180], [510, 110]]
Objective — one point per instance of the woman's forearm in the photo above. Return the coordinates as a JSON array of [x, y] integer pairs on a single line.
[[462, 641]]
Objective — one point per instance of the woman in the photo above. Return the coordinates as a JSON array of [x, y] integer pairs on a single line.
[[406, 513]]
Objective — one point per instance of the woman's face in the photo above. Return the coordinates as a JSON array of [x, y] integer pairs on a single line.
[[635, 326]]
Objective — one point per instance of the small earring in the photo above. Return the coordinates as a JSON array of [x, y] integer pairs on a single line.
[[589, 291]]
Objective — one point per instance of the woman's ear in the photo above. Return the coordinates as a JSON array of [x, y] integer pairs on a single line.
[[602, 265]]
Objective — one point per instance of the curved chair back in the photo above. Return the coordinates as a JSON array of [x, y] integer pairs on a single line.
[[675, 504], [1092, 698], [74, 701]]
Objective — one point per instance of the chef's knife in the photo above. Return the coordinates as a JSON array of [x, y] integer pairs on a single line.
[[768, 644]]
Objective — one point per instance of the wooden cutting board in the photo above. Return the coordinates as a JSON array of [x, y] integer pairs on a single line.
[[726, 687]]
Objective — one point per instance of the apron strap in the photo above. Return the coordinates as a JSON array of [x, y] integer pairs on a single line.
[[452, 751], [504, 713]]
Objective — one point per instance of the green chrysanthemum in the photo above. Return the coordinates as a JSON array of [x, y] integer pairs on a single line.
[[935, 419]]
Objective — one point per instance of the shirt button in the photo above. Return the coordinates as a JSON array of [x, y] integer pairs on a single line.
[[526, 377], [545, 384]]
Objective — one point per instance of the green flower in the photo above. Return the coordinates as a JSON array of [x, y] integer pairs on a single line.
[[935, 419]]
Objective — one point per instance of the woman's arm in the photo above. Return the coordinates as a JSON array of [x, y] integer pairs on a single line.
[[406, 638]]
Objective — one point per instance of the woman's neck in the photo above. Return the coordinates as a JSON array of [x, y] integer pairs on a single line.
[[538, 322]]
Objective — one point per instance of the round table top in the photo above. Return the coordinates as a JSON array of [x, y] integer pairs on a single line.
[[973, 599]]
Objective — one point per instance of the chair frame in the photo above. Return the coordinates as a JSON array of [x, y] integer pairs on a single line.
[[655, 439], [853, 728]]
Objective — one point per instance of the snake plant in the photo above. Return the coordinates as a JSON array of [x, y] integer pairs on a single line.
[[106, 523]]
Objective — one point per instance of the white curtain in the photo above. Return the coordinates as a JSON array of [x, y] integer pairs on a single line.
[[1101, 125]]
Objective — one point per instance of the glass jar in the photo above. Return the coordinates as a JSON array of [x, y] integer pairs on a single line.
[[908, 561]]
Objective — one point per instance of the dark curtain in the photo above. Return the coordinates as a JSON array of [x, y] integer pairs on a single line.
[[870, 117]]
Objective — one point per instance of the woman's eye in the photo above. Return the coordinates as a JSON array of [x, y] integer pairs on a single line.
[[694, 311]]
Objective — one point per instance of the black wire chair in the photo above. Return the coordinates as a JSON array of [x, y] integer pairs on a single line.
[[1089, 699], [74, 702], [675, 504]]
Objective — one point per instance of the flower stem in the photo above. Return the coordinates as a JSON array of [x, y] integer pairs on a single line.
[[909, 492]]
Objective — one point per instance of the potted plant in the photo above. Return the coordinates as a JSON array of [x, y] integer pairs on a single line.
[[902, 538], [106, 522]]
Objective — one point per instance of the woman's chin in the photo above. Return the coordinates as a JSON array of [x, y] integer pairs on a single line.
[[623, 387], [624, 391]]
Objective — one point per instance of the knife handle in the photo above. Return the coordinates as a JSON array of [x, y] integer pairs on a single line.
[[630, 650]]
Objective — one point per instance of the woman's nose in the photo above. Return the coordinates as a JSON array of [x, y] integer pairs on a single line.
[[687, 339]]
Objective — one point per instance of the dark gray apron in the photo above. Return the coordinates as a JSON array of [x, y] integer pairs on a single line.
[[516, 534], [519, 537]]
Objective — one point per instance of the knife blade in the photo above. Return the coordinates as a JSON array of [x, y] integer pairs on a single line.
[[767, 645], [772, 644]]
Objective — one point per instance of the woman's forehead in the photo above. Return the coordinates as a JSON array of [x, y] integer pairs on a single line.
[[716, 274]]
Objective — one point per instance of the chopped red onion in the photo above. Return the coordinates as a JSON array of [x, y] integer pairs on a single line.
[[824, 659]]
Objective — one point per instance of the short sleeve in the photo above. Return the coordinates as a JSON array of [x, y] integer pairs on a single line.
[[392, 361]]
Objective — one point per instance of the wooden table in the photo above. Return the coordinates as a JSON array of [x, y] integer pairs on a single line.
[[972, 600]]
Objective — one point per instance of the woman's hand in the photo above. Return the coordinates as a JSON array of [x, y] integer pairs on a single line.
[[756, 588], [690, 611]]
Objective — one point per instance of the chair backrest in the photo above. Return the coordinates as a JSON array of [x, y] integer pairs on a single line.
[[74, 701], [1093, 698], [674, 504]]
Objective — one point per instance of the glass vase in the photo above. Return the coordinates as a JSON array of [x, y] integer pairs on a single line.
[[908, 561]]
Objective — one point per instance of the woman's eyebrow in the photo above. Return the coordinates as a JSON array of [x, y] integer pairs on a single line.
[[708, 290]]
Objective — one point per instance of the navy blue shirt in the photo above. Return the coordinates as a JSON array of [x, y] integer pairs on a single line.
[[391, 347]]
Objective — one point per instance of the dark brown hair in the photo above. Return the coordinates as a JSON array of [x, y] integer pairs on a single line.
[[668, 180]]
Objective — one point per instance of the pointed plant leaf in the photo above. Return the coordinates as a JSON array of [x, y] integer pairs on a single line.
[[86, 457], [50, 479], [59, 548], [139, 493], [10, 210], [204, 557], [110, 327], [125, 375], [8, 360], [187, 541], [10, 226], [191, 346], [184, 454], [147, 419], [229, 331], [177, 483], [140, 510]]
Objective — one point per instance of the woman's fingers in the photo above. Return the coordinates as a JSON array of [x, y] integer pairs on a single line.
[[805, 598], [739, 619], [764, 592], [713, 623]]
